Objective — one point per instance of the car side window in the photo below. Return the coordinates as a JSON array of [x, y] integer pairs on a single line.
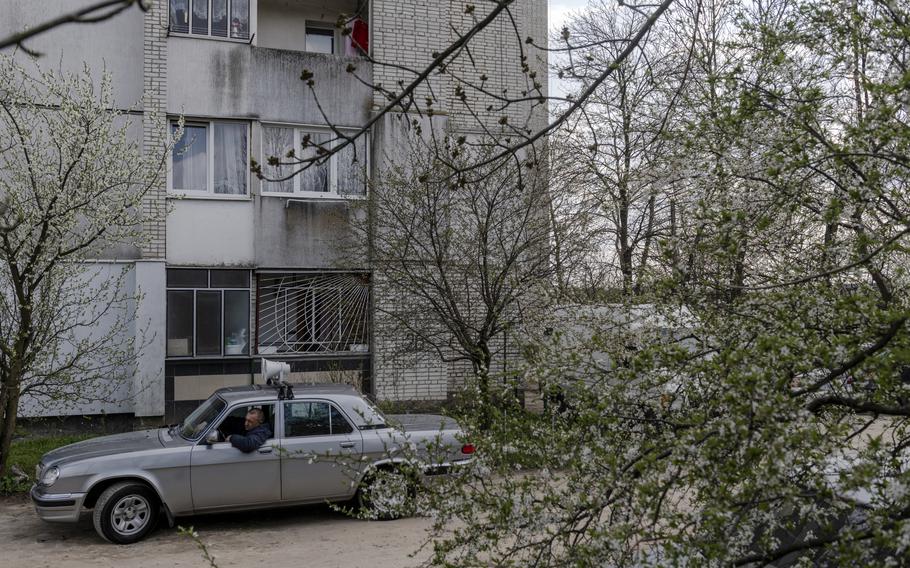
[[340, 425], [306, 419], [310, 418], [233, 423]]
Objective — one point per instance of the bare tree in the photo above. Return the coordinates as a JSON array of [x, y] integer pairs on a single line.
[[466, 256], [618, 147], [74, 181]]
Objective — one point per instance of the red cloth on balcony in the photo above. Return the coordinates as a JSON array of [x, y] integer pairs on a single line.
[[360, 35]]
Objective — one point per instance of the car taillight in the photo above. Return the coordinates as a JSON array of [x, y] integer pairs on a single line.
[[467, 449]]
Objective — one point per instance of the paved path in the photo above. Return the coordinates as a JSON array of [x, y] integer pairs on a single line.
[[302, 536]]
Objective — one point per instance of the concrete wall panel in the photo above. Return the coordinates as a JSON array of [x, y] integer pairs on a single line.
[[304, 234], [209, 232], [222, 79], [150, 330], [110, 392], [115, 45]]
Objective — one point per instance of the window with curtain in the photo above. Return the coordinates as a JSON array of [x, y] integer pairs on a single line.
[[278, 142], [214, 18], [343, 174], [190, 159], [230, 157], [211, 158], [316, 177]]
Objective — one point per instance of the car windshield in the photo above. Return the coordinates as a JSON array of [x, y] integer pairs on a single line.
[[195, 424]]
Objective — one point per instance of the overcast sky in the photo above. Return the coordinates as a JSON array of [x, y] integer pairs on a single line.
[[558, 11]]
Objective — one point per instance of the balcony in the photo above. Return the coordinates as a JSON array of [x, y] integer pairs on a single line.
[[230, 80], [294, 25], [259, 78], [310, 25]]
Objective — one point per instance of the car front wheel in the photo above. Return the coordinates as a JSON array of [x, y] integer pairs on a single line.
[[126, 512]]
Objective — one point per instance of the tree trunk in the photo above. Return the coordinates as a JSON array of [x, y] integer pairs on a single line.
[[562, 285], [625, 199], [481, 363], [646, 248], [10, 399], [677, 270], [739, 270]]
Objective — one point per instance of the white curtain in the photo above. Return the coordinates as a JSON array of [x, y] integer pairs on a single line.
[[201, 17], [230, 158], [180, 16], [277, 142], [351, 173], [190, 162], [219, 18], [315, 177], [240, 19]]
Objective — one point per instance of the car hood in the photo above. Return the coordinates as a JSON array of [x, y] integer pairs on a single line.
[[104, 446]]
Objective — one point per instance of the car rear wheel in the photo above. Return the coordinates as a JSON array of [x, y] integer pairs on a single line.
[[126, 512], [387, 495]]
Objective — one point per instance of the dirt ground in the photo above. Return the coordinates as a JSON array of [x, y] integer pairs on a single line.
[[302, 536]]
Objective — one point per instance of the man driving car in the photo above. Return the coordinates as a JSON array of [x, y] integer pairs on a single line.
[[257, 432]]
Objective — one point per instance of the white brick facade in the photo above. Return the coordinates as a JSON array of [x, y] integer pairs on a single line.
[[154, 80], [407, 33]]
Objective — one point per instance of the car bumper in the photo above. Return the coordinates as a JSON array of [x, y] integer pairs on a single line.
[[445, 469], [57, 507]]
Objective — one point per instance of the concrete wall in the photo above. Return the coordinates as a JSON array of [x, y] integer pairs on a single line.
[[138, 387], [210, 232], [150, 332], [281, 25], [220, 79], [228, 80], [111, 393], [305, 234], [115, 45]]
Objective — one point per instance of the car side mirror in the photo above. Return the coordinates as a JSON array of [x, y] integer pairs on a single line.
[[213, 437]]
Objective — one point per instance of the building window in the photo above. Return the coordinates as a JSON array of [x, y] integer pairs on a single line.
[[313, 313], [341, 175], [211, 158], [208, 312], [320, 38], [215, 18]]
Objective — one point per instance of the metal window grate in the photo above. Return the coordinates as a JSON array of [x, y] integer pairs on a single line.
[[313, 313]]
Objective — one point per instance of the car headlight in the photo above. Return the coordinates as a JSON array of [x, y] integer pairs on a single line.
[[50, 476]]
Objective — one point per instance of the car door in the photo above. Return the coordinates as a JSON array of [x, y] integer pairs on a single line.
[[320, 452], [221, 476]]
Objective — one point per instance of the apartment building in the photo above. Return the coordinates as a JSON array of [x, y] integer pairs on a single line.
[[242, 269]]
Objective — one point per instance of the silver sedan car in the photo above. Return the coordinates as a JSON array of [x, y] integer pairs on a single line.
[[327, 444]]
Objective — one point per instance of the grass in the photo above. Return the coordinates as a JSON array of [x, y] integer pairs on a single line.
[[25, 453]]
